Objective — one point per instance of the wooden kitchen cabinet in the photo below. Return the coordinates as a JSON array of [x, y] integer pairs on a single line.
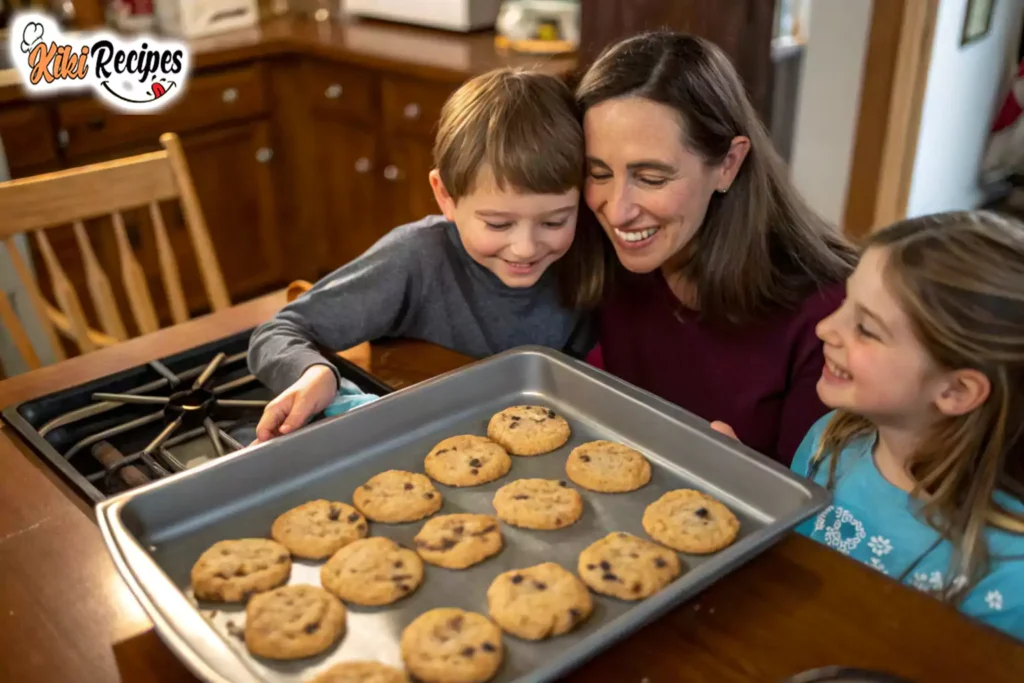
[[405, 188]]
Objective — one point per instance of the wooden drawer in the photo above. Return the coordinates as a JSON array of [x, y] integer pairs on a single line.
[[236, 94], [339, 89], [28, 138], [412, 106]]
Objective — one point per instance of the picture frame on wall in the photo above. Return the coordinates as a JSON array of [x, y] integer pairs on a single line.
[[977, 20]]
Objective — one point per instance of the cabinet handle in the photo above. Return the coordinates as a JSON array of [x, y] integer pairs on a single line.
[[229, 95], [363, 165], [264, 154], [393, 173], [333, 91], [63, 138], [411, 111]]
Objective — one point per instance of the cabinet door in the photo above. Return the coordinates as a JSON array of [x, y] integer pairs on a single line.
[[345, 159], [231, 170], [406, 188]]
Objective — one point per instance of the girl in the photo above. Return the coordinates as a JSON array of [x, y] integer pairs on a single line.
[[924, 368]]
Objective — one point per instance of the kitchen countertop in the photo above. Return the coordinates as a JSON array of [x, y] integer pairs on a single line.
[[418, 52], [65, 614]]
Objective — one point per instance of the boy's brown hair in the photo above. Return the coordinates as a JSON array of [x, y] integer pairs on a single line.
[[524, 127]]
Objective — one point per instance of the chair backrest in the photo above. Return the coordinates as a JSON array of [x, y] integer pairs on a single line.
[[30, 205]]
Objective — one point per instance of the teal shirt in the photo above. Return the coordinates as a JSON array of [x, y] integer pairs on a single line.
[[873, 521]]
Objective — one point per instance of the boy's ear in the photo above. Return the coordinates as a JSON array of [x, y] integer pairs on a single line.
[[964, 391], [444, 200]]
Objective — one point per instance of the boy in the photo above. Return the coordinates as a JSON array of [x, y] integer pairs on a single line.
[[508, 168]]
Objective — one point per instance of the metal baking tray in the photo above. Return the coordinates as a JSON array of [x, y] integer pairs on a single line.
[[156, 533]]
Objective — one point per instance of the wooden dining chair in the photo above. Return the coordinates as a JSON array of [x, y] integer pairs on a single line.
[[31, 205]]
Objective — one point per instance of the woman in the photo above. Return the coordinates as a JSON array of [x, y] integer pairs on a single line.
[[725, 271]]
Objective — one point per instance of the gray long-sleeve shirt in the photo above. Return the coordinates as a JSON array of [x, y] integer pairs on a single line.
[[416, 282]]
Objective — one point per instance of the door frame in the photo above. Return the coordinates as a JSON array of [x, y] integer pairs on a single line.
[[892, 93]]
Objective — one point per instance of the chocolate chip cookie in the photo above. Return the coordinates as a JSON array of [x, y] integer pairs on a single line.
[[372, 571], [626, 567], [528, 430], [452, 646], [690, 522], [293, 622], [231, 571], [319, 528], [538, 602], [608, 467], [459, 541], [538, 504], [396, 496], [361, 672], [467, 460]]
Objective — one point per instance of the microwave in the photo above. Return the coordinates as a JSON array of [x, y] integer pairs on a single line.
[[449, 15]]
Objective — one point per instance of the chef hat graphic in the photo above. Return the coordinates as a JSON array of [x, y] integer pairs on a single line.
[[33, 34]]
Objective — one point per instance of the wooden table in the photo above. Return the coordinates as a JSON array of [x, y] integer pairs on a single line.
[[65, 614]]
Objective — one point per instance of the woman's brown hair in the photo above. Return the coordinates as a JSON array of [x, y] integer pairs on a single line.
[[959, 277], [760, 247]]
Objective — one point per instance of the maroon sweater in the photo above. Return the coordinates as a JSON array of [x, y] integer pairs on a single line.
[[758, 378]]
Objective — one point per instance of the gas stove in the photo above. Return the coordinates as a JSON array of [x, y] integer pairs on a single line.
[[154, 420]]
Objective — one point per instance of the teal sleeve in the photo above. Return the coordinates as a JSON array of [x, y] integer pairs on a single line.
[[809, 445]]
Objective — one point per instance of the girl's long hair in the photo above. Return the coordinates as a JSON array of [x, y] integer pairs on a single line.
[[959, 277]]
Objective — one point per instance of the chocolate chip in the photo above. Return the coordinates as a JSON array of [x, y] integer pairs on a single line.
[[475, 462], [246, 595], [591, 566], [468, 651], [474, 471], [637, 587], [585, 458], [575, 614], [408, 486], [448, 544], [240, 571], [660, 563], [367, 487], [558, 521], [455, 623], [606, 565], [515, 418], [454, 448], [221, 575], [443, 450], [354, 517], [540, 585], [397, 564], [520, 496], [225, 552], [458, 530], [361, 526], [334, 514], [517, 578], [428, 495], [281, 559], [608, 576], [312, 628], [563, 484], [487, 647], [634, 555], [400, 577], [702, 513], [402, 587], [513, 425], [235, 630], [551, 413]]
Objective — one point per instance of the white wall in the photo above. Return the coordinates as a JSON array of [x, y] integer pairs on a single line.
[[829, 103], [961, 97]]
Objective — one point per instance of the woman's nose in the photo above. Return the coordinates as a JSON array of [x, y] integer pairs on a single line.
[[828, 332], [619, 208]]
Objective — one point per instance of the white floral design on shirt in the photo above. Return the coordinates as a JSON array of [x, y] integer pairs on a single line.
[[923, 581], [834, 533], [994, 600], [876, 563], [880, 545]]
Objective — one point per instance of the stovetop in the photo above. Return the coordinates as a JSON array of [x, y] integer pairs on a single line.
[[154, 420]]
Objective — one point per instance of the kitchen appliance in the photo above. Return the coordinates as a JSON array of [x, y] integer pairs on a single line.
[[155, 420], [155, 534], [539, 26], [450, 15], [198, 18]]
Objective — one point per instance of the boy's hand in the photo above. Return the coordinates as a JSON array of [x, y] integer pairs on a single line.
[[312, 393]]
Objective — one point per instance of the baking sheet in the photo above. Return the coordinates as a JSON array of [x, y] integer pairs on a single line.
[[155, 534]]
